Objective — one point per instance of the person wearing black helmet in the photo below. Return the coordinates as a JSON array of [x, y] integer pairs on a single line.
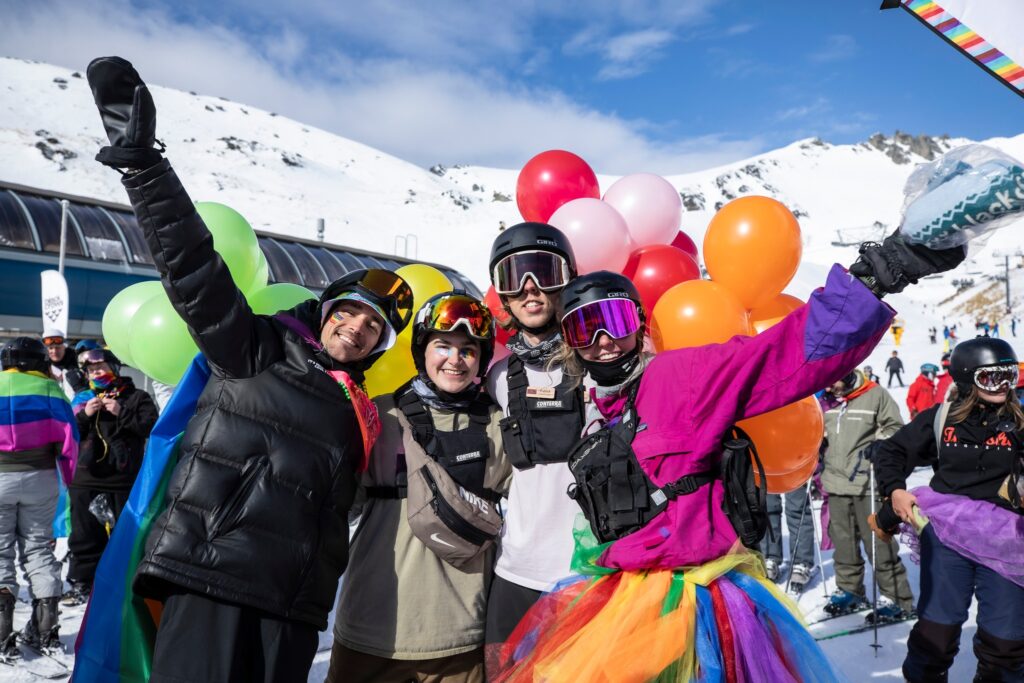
[[664, 480], [37, 438], [114, 421], [530, 264], [972, 538], [412, 605], [248, 552]]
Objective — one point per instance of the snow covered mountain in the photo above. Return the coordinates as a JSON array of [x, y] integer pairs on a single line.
[[283, 175]]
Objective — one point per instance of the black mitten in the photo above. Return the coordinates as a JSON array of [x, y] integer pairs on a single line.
[[889, 267], [128, 114], [887, 519]]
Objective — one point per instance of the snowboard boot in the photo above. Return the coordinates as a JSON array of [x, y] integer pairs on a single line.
[[844, 602], [40, 632], [771, 569], [799, 577], [8, 638], [78, 594]]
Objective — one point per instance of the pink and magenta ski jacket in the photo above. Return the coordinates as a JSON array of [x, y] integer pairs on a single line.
[[34, 412], [689, 397]]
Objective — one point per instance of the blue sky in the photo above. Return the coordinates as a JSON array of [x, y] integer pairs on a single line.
[[661, 85]]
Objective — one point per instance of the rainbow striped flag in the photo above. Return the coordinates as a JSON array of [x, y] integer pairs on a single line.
[[946, 22], [35, 412], [115, 643], [62, 518]]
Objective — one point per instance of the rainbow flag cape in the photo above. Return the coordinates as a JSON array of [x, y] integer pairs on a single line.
[[988, 32], [62, 518], [115, 643], [35, 412]]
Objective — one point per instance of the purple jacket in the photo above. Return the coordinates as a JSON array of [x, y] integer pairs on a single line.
[[689, 397]]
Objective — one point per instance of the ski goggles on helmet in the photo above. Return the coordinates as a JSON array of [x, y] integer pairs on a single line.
[[393, 296], [448, 312], [996, 377], [617, 318], [92, 356], [53, 341], [548, 270]]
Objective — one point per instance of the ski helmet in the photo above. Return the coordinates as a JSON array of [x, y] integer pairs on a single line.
[[447, 312], [930, 368], [86, 345], [592, 288], [25, 354], [385, 292], [976, 353], [532, 237], [99, 355]]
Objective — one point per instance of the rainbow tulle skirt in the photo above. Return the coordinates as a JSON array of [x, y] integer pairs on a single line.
[[720, 622]]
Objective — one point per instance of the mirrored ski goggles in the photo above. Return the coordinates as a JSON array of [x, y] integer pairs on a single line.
[[996, 377], [384, 283], [549, 271], [53, 341], [617, 318], [448, 312], [92, 356]]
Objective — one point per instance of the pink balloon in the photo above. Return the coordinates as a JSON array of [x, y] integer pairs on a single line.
[[683, 241], [597, 232], [652, 208]]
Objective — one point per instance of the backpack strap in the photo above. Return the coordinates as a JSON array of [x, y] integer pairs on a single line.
[[940, 421], [418, 416], [517, 405]]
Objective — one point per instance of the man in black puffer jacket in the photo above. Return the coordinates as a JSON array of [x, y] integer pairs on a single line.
[[248, 553], [113, 425]]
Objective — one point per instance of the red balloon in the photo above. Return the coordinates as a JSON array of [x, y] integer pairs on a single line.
[[500, 313], [656, 268], [683, 241], [551, 179]]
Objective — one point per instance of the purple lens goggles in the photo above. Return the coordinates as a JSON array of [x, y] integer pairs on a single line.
[[618, 318]]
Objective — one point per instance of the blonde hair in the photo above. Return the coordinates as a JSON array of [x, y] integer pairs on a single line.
[[962, 407], [568, 359]]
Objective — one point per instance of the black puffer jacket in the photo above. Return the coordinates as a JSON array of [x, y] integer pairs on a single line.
[[259, 500], [111, 446]]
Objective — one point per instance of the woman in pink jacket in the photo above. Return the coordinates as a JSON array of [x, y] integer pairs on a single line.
[[665, 589]]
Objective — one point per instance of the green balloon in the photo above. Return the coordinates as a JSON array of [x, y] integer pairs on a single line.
[[278, 297], [160, 341], [259, 281], [117, 317], [234, 240]]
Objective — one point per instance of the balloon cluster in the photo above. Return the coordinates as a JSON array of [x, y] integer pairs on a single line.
[[144, 331], [752, 249]]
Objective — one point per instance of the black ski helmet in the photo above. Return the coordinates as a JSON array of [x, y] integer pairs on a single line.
[[25, 354], [531, 237], [976, 353], [421, 331], [600, 285], [369, 283], [98, 355]]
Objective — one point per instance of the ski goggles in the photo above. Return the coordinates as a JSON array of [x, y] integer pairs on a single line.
[[396, 299], [92, 356], [450, 311], [996, 377], [548, 270], [617, 318], [53, 341]]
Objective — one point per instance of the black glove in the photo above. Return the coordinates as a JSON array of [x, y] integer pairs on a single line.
[[889, 267], [886, 518], [128, 114]]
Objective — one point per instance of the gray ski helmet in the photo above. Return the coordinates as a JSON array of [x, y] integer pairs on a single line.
[[531, 237], [976, 353], [26, 354]]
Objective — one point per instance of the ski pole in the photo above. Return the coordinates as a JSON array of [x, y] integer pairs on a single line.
[[799, 529], [817, 543], [874, 562]]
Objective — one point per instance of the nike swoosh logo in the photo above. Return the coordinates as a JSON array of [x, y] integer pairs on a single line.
[[437, 539]]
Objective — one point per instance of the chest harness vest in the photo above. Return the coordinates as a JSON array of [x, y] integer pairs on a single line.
[[540, 430], [462, 453]]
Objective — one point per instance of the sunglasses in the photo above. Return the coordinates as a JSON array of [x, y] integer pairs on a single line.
[[449, 312], [617, 318], [996, 377], [550, 271], [53, 341]]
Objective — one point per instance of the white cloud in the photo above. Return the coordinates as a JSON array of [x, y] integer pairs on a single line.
[[837, 47], [630, 54], [423, 113]]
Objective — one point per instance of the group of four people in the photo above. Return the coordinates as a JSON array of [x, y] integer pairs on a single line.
[[620, 549]]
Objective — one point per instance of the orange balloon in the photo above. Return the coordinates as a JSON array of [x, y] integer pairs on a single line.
[[787, 437], [768, 314], [695, 313], [790, 481], [753, 247]]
